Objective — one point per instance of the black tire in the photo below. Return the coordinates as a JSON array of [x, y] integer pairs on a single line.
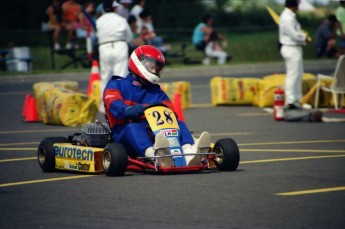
[[227, 154], [46, 154], [114, 159]]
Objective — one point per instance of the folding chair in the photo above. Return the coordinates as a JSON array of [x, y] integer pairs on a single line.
[[337, 86]]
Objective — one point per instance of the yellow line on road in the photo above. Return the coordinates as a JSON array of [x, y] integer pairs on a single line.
[[290, 142], [290, 159], [201, 105], [294, 150], [312, 191], [253, 114], [242, 162], [18, 159], [45, 180], [19, 143], [213, 134], [12, 93], [230, 134], [35, 131], [17, 149], [224, 134], [83, 176]]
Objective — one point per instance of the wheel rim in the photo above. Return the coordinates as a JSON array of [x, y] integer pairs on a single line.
[[219, 155], [106, 160], [42, 155]]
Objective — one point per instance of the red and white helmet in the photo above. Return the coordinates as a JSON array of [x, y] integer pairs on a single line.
[[147, 62]]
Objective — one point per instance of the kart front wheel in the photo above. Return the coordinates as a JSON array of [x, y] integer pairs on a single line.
[[114, 160], [227, 154], [46, 154]]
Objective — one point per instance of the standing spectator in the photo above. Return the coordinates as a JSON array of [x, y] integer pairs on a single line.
[[145, 19], [114, 34], [213, 49], [123, 8], [71, 10], [340, 14], [136, 40], [147, 32], [86, 22], [54, 12], [325, 38], [137, 8], [292, 38]]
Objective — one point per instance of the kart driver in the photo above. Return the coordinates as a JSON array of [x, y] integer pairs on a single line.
[[125, 100]]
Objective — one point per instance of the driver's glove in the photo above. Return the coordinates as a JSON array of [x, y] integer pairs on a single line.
[[134, 112]]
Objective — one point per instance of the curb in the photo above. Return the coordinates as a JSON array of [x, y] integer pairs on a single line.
[[186, 72], [246, 69]]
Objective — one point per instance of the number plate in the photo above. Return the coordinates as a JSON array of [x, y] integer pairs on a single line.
[[161, 118]]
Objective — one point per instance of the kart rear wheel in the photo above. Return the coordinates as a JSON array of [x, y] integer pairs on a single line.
[[46, 154], [114, 159], [227, 154]]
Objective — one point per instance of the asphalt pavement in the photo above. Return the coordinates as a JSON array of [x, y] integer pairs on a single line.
[[291, 175], [170, 73]]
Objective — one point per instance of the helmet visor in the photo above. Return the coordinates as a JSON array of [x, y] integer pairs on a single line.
[[152, 65]]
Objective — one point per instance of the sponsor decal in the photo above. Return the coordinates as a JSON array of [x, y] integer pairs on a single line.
[[67, 165], [109, 96], [173, 142], [175, 152], [83, 167], [73, 153], [170, 132], [77, 166]]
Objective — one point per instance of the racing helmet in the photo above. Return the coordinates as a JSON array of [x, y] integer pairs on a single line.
[[147, 62]]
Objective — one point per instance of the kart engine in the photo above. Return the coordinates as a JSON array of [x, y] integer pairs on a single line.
[[96, 134]]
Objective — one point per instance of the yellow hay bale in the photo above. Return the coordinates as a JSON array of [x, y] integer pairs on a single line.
[[233, 91], [181, 87], [69, 108], [267, 86], [71, 85], [41, 88], [77, 109], [96, 91], [53, 99]]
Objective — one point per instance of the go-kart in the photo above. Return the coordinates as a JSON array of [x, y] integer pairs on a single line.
[[92, 151]]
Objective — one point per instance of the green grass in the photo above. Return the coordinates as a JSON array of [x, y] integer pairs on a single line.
[[256, 46]]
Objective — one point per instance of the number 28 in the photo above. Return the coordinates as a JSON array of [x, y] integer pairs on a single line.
[[161, 120]]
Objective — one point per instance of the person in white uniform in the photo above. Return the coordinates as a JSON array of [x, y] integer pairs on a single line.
[[114, 34], [123, 8], [292, 38], [137, 8]]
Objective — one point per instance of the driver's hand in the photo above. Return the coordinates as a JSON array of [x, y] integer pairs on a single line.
[[134, 112]]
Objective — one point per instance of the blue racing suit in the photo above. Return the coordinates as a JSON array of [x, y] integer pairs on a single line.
[[121, 93]]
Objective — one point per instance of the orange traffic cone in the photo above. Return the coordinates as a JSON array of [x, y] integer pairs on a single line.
[[178, 106], [93, 76], [26, 104], [31, 113]]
